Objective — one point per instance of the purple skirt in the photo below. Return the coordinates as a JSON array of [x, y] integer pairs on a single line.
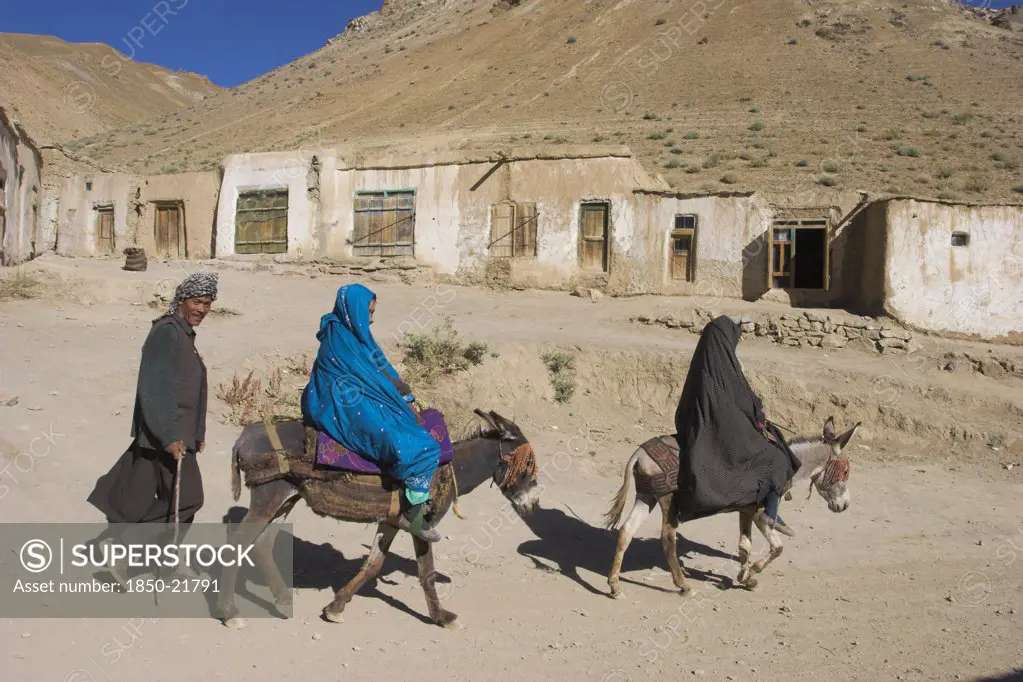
[[332, 454]]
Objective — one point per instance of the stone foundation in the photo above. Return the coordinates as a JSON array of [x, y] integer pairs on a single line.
[[803, 329]]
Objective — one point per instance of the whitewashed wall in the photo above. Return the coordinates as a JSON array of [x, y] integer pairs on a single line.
[[77, 218], [22, 198], [976, 289], [283, 170]]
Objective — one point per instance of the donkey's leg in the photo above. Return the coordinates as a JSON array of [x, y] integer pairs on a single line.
[[263, 552], [773, 539], [745, 577], [428, 579], [640, 510], [668, 544], [265, 502], [370, 569]]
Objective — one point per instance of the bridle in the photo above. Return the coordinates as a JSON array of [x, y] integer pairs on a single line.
[[520, 460], [835, 471]]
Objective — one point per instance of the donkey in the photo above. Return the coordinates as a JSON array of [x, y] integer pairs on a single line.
[[501, 454], [823, 463]]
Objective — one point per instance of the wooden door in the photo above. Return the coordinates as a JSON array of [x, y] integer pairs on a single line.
[[525, 230], [400, 218], [681, 263], [105, 230], [168, 232], [593, 237], [385, 224], [261, 222], [683, 248], [502, 222]]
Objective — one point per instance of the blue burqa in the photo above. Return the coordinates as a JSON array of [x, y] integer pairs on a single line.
[[352, 397]]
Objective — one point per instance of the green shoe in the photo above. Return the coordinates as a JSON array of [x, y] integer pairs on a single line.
[[414, 522]]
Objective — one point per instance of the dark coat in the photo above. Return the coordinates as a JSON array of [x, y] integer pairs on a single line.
[[728, 454], [170, 400], [170, 406]]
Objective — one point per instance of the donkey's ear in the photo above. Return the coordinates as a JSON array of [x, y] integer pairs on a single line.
[[844, 439], [829, 430], [487, 418], [503, 424]]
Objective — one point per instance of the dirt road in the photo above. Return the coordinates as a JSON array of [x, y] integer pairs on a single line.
[[919, 580]]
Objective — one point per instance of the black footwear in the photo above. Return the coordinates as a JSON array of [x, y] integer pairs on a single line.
[[414, 522]]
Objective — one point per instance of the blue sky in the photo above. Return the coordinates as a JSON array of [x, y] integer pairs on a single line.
[[231, 41]]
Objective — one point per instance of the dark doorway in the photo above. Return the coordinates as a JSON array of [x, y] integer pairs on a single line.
[[809, 258]]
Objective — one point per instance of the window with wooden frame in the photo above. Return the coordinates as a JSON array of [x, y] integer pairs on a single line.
[[105, 242], [385, 223], [513, 230], [593, 236], [799, 254], [682, 250], [261, 222]]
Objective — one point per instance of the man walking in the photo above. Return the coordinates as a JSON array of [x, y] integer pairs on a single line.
[[169, 422]]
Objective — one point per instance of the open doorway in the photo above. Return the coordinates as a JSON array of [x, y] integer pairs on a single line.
[[810, 271], [799, 255]]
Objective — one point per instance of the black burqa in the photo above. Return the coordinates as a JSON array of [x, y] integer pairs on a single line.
[[726, 458]]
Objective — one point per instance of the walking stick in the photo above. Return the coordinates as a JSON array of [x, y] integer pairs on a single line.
[[177, 498], [177, 508]]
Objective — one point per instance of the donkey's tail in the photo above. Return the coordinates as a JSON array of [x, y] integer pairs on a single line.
[[614, 514], [236, 474]]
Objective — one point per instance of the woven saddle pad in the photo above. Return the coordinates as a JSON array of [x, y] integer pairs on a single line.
[[663, 450]]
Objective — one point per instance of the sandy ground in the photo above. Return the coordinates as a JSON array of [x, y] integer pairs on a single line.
[[918, 580]]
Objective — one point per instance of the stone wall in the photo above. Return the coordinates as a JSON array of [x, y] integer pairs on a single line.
[[803, 329]]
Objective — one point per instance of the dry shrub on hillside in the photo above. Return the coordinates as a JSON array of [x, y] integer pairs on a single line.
[[428, 357], [561, 368], [242, 398], [273, 395]]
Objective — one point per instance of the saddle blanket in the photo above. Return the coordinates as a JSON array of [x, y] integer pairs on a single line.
[[663, 450], [332, 454]]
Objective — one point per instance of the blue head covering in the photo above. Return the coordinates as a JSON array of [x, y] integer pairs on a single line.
[[352, 396]]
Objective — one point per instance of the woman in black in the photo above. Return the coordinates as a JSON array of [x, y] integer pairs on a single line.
[[729, 454]]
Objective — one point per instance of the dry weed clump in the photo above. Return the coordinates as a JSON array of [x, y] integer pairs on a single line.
[[430, 356], [242, 398], [270, 397], [561, 368], [22, 285]]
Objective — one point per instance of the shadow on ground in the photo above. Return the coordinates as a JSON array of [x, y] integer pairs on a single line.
[[572, 544], [321, 567]]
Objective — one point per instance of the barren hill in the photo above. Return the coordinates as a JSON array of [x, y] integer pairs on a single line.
[[780, 95], [61, 91]]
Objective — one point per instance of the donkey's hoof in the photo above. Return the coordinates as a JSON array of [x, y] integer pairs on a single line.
[[333, 617], [616, 592], [449, 621], [685, 591], [751, 584], [284, 601], [235, 623]]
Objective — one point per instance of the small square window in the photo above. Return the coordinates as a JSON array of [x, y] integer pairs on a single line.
[[685, 222], [88, 185], [960, 239]]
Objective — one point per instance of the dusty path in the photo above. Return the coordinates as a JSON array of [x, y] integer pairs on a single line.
[[918, 580]]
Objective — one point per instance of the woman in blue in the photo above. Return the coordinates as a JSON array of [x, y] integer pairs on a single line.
[[357, 398]]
